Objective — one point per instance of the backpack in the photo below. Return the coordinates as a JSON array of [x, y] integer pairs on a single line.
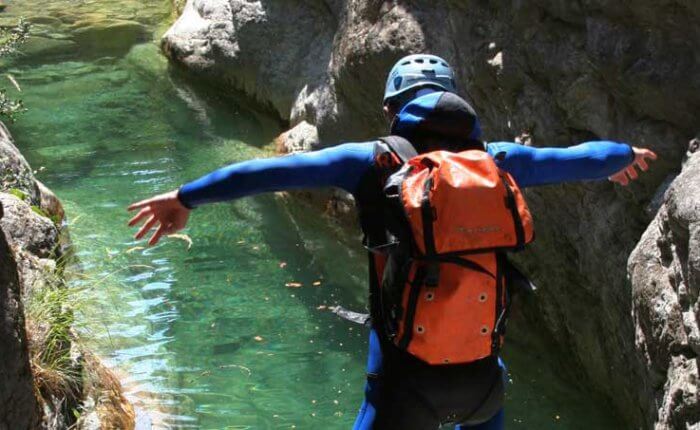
[[446, 220]]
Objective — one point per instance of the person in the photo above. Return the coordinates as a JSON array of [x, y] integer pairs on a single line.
[[401, 391]]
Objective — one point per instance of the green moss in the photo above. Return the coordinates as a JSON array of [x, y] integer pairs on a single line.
[[37, 210], [18, 193]]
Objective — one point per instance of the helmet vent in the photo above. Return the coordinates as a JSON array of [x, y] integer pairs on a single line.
[[419, 60], [432, 61]]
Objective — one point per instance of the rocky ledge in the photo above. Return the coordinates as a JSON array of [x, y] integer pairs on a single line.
[[46, 379], [552, 72]]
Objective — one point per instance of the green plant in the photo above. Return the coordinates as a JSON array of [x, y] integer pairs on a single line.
[[49, 312], [49, 321], [18, 193], [10, 39]]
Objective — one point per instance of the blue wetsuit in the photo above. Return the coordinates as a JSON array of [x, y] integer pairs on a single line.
[[345, 165]]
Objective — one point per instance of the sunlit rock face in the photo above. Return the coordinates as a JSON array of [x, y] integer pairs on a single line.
[[559, 72], [665, 273], [19, 408]]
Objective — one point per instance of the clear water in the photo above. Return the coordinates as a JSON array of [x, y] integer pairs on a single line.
[[210, 336]]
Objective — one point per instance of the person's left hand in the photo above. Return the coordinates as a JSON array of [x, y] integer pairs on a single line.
[[629, 173]]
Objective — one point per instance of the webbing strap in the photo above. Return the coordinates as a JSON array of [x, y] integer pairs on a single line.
[[401, 147], [433, 269], [517, 221], [413, 294], [500, 311]]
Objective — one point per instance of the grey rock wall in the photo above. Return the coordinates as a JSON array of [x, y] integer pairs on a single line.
[[19, 408], [665, 272], [558, 72]]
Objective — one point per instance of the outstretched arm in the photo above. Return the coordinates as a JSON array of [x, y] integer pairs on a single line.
[[341, 166], [588, 161]]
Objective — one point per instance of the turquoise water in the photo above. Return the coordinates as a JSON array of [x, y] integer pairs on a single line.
[[208, 335]]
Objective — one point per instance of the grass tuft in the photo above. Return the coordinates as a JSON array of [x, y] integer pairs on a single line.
[[49, 321]]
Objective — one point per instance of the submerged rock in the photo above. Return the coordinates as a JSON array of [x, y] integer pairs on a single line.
[[106, 35], [37, 46]]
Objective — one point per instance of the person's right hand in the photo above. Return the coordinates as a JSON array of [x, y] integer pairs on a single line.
[[165, 211]]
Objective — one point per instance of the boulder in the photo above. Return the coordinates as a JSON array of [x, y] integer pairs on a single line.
[[664, 270], [15, 174], [27, 229]]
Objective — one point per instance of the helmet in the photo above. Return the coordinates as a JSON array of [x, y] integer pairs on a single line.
[[416, 71]]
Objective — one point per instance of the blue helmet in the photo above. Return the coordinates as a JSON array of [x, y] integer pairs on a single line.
[[417, 71]]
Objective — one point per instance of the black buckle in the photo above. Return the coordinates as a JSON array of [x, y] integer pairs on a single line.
[[432, 274]]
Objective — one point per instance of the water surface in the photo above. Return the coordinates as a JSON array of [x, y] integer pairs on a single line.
[[207, 336]]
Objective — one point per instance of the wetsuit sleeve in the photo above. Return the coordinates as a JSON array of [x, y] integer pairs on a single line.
[[341, 166], [539, 166]]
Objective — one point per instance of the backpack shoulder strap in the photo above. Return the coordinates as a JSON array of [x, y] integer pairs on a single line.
[[400, 146]]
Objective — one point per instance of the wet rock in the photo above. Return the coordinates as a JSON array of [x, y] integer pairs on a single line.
[[664, 270], [104, 405], [18, 404]]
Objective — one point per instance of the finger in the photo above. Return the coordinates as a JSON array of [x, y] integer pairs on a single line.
[[648, 153], [139, 216], [157, 235], [621, 178], [632, 172], [141, 204], [146, 227], [642, 164]]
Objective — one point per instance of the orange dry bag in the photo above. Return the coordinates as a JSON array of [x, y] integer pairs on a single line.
[[449, 217]]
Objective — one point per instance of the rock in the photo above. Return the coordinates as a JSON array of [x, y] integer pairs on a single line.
[[300, 138], [664, 270], [50, 204], [26, 229], [104, 405], [240, 33], [15, 173], [561, 72], [37, 46], [18, 404], [109, 36]]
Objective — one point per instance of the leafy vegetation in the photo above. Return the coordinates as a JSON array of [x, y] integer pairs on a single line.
[[10, 39]]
